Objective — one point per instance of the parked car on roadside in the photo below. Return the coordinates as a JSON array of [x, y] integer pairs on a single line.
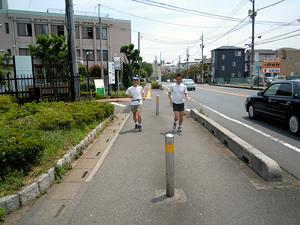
[[280, 101], [190, 84], [293, 77]]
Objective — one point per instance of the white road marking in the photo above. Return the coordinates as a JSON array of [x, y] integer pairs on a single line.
[[254, 129], [118, 104]]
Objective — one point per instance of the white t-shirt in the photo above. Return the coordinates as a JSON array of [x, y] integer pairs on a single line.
[[137, 94], [178, 92]]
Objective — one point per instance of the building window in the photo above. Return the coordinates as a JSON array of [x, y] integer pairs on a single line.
[[9, 51], [41, 29], [104, 33], [291, 57], [24, 29], [233, 63], [232, 74], [87, 33], [239, 74], [105, 55], [77, 32], [59, 30], [223, 68], [7, 28], [78, 52], [24, 52], [238, 53], [284, 63], [91, 55], [290, 67], [223, 57]]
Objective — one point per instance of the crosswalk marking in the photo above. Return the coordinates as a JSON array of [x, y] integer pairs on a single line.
[[117, 104]]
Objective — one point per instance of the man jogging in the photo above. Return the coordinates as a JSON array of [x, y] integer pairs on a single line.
[[179, 90], [136, 92]]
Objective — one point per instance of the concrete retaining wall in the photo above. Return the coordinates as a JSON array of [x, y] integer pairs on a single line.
[[266, 167]]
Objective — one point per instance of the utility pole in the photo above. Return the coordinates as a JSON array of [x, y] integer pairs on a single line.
[[202, 59], [101, 50], [179, 64], [252, 43], [156, 75], [75, 85], [139, 37], [187, 60]]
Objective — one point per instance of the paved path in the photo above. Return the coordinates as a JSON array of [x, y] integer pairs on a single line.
[[125, 183]]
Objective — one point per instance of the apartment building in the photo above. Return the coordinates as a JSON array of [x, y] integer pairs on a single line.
[[19, 28], [259, 54], [290, 61], [227, 62]]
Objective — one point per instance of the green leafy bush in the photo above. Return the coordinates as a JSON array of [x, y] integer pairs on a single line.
[[2, 214], [154, 85], [22, 135]]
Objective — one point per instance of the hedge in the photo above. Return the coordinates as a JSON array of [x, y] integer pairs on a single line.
[[21, 142]]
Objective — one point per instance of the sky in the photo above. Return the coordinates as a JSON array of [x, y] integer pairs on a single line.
[[171, 29]]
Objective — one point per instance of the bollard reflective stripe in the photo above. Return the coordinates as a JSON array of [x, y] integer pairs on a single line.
[[169, 148]]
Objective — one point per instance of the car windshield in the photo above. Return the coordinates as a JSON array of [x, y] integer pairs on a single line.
[[188, 80]]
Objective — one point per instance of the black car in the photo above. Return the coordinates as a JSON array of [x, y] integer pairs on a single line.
[[279, 101]]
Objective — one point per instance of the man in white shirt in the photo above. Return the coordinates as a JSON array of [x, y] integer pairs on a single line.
[[136, 92], [179, 90]]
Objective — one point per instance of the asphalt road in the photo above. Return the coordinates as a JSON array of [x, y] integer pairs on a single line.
[[226, 107]]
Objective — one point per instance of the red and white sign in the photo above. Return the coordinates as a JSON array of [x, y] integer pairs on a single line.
[[271, 64]]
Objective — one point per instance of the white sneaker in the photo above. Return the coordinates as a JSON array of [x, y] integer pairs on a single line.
[[174, 125], [179, 129]]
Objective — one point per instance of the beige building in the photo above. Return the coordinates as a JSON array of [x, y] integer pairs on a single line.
[[19, 28], [290, 61]]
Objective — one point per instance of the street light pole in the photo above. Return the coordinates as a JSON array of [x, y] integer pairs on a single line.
[[87, 65]]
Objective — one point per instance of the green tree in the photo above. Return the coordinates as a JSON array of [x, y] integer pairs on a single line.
[[53, 52], [148, 67], [4, 68], [132, 56]]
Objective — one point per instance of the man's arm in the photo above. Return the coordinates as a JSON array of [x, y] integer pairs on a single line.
[[170, 97], [187, 97]]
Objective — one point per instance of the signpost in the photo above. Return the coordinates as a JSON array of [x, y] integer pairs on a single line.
[[118, 63], [271, 64], [99, 85]]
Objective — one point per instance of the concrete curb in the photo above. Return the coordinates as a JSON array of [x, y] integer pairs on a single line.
[[11, 203], [263, 165]]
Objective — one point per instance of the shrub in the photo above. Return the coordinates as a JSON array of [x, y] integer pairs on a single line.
[[154, 85], [19, 153], [2, 214], [83, 86]]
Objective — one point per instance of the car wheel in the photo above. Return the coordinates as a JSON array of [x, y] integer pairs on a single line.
[[251, 112], [294, 125]]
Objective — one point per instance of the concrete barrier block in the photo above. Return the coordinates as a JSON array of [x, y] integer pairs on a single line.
[[43, 181], [29, 193], [67, 158], [60, 162], [10, 203], [266, 167], [72, 153], [51, 172]]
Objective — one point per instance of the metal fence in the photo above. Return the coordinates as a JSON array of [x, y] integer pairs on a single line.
[[38, 87]]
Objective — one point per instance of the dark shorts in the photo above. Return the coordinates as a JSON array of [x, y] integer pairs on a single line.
[[178, 107]]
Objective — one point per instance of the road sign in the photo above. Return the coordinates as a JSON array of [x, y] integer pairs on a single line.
[[271, 64], [111, 73], [118, 63]]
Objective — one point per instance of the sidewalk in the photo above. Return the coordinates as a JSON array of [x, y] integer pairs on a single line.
[[125, 183]]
